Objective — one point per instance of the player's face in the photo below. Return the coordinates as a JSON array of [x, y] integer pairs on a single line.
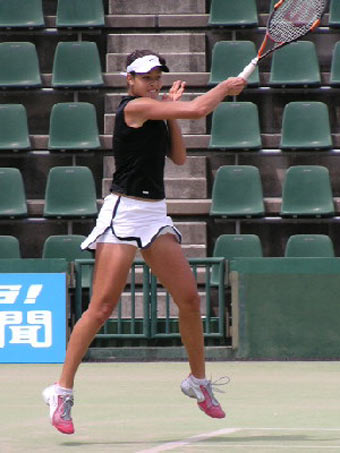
[[146, 85]]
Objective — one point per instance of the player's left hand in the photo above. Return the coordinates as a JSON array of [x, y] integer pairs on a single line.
[[175, 92]]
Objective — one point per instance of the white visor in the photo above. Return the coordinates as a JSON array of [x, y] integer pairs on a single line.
[[144, 64]]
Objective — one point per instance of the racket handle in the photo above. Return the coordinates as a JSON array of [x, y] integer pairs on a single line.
[[249, 69]]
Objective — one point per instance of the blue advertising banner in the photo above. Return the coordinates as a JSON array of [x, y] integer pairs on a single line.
[[32, 318]]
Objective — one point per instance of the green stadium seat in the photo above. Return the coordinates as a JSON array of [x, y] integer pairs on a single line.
[[14, 133], [77, 65], [235, 14], [73, 126], [19, 65], [309, 246], [68, 247], [9, 247], [307, 192], [237, 192], [306, 125], [334, 14], [21, 14], [230, 246], [70, 193], [235, 125], [295, 65], [335, 66], [12, 194], [80, 13], [229, 58]]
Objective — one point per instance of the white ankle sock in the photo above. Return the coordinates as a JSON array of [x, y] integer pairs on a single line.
[[197, 380], [62, 390]]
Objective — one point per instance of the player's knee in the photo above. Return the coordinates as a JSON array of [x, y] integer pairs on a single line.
[[191, 303], [100, 313]]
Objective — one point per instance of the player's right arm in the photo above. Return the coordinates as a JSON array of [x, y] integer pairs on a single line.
[[142, 109]]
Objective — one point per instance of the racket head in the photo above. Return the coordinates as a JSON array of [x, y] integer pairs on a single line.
[[292, 19]]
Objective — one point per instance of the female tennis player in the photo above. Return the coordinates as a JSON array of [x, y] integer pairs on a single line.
[[134, 216]]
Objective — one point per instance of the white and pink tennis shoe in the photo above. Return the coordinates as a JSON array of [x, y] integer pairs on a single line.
[[60, 403], [202, 392]]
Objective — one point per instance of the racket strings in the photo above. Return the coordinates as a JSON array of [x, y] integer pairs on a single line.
[[294, 18]]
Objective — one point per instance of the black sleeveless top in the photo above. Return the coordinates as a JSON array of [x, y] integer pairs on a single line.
[[139, 156]]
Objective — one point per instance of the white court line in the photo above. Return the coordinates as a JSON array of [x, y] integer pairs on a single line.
[[264, 446], [182, 443], [199, 437]]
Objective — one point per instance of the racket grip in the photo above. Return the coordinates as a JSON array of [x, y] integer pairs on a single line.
[[249, 69]]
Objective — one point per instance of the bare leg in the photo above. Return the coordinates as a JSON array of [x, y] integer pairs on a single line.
[[166, 259], [113, 262]]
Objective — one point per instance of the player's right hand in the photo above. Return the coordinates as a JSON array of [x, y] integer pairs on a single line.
[[235, 85]]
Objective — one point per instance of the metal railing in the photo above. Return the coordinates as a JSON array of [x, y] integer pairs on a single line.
[[146, 310]]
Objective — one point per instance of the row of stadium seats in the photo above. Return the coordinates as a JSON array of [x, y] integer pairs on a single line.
[[72, 126], [228, 246], [90, 13], [75, 64], [70, 193], [70, 14], [305, 126], [56, 246], [243, 13], [237, 192], [231, 246], [235, 126], [294, 65]]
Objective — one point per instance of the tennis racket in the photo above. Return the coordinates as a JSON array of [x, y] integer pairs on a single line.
[[289, 21]]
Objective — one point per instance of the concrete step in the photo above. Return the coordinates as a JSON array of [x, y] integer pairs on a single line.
[[175, 207], [126, 308], [112, 101], [156, 21], [176, 61], [194, 166], [165, 42], [188, 127], [181, 181], [174, 188], [156, 7], [189, 250]]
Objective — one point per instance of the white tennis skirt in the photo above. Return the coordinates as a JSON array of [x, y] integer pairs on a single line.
[[124, 220]]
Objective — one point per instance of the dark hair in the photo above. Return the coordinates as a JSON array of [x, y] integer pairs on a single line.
[[141, 53]]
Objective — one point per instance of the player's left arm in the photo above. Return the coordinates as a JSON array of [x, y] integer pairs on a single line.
[[177, 152]]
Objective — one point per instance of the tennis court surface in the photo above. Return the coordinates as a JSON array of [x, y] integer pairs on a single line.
[[138, 407]]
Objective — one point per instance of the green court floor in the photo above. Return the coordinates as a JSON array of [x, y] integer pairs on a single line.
[[138, 407]]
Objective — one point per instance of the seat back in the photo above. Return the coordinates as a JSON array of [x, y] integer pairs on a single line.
[[18, 13], [12, 194], [334, 14], [229, 58], [307, 192], [231, 246], [14, 133], [295, 65], [306, 125], [70, 193], [68, 247], [9, 247], [19, 65], [73, 126], [77, 64], [237, 192], [309, 245], [335, 66], [80, 13], [235, 125], [231, 13]]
